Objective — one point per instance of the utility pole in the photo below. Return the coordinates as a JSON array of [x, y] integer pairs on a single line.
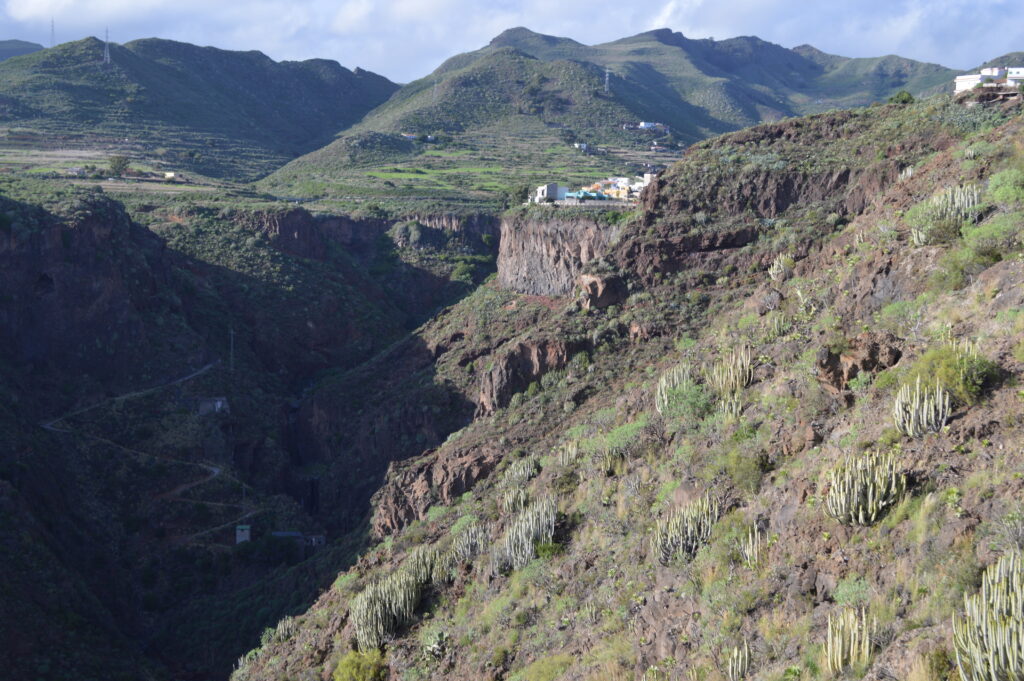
[[53, 34], [232, 351], [434, 94], [607, 80], [106, 47]]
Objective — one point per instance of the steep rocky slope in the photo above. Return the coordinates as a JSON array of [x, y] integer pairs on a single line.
[[780, 286], [119, 493]]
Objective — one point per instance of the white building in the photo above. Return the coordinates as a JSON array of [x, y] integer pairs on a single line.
[[997, 76], [243, 533], [550, 192]]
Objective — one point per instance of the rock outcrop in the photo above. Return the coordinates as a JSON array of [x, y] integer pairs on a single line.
[[516, 368], [544, 255]]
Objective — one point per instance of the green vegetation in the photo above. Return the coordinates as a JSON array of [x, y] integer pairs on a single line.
[[220, 113], [357, 666]]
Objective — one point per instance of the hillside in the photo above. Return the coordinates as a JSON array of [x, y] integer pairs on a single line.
[[221, 113], [118, 495], [695, 459], [513, 107], [14, 48]]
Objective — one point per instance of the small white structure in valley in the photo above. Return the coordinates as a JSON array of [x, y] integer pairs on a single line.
[[996, 76], [550, 192], [243, 533]]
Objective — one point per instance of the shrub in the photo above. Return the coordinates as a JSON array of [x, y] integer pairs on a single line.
[[964, 374], [956, 267], [356, 666], [995, 238], [546, 668], [1007, 187]]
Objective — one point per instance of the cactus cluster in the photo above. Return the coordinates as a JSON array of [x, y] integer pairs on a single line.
[[684, 531], [940, 218], [781, 267], [669, 381], [568, 453], [470, 542], [848, 641], [383, 607], [864, 487], [521, 472], [535, 524], [514, 500], [730, 406], [989, 636], [738, 663], [920, 411], [732, 373], [750, 547]]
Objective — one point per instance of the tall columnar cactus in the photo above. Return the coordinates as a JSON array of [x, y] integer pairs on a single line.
[[521, 472], [750, 547], [739, 662], [670, 380], [944, 212], [535, 524], [383, 607], [514, 500], [863, 488], [730, 406], [848, 641], [989, 636], [731, 373], [781, 267], [920, 411], [470, 542], [684, 531], [568, 453]]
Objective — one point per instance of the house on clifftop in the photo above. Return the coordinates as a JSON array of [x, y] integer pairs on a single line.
[[996, 77]]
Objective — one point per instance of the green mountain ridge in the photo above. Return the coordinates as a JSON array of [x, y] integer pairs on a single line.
[[14, 48], [698, 88], [233, 112]]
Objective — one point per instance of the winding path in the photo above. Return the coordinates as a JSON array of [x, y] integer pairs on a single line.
[[212, 471]]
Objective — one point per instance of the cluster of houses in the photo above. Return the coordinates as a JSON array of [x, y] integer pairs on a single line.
[[616, 189], [995, 77], [647, 125]]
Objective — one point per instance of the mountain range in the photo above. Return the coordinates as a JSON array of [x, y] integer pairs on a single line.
[[224, 113]]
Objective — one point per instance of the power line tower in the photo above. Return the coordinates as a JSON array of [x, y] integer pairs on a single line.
[[607, 80], [106, 47]]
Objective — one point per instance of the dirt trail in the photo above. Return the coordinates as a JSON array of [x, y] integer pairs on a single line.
[[212, 472]]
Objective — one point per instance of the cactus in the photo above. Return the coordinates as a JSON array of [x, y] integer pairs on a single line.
[[514, 500], [730, 406], [940, 217], [471, 542], [383, 607], [731, 374], [781, 267], [989, 636], [739, 662], [848, 641], [535, 524], [916, 413], [670, 380], [521, 472], [568, 453], [863, 488], [906, 173], [684, 531], [750, 548]]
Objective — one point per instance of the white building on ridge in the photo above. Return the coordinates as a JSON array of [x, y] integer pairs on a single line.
[[998, 76]]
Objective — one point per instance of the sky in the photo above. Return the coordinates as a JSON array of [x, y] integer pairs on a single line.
[[407, 39]]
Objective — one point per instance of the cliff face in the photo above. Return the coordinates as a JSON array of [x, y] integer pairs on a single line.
[[543, 255]]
